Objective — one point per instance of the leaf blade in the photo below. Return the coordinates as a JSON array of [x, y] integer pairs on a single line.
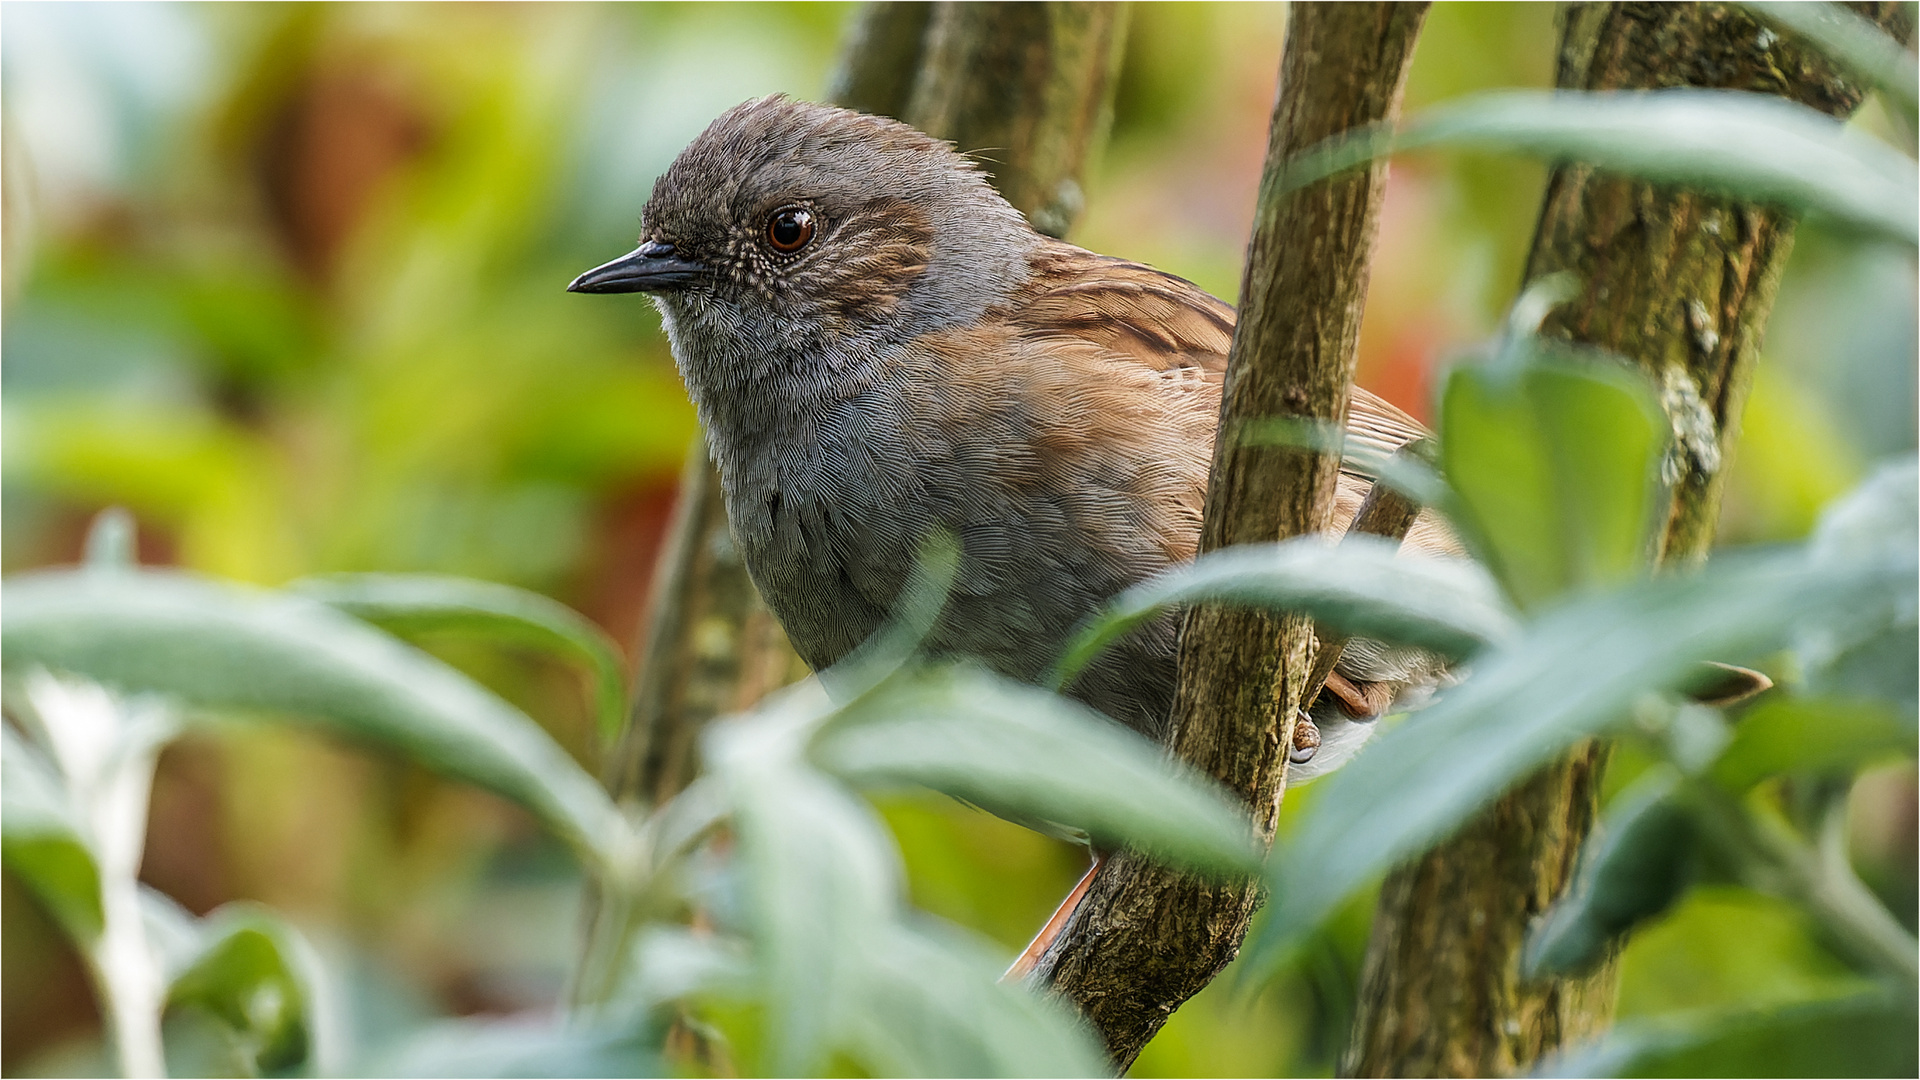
[[414, 603], [228, 647], [1032, 756]]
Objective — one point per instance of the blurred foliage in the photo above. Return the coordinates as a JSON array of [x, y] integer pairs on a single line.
[[285, 280]]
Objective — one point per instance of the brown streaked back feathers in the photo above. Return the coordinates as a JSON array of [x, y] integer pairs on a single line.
[[1143, 318]]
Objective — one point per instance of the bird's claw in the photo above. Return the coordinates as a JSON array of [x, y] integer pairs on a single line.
[[1306, 740]]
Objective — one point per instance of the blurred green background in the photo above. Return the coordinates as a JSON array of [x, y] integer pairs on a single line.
[[286, 280]]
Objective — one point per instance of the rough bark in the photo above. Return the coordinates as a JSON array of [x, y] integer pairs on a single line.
[[1027, 90], [1681, 284], [1145, 939]]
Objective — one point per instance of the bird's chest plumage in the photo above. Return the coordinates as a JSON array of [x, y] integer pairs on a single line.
[[827, 511], [832, 501]]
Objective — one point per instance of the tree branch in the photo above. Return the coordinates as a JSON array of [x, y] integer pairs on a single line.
[[1145, 939], [1681, 283]]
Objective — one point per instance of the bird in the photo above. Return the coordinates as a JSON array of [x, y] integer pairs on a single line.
[[879, 346]]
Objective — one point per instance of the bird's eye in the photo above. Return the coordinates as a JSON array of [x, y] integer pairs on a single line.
[[789, 229]]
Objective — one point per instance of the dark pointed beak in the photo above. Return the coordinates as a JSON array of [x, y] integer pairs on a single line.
[[651, 267]]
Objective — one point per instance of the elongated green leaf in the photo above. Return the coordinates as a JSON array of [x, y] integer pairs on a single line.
[[1408, 473], [174, 933], [1576, 673], [1553, 463], [1361, 586], [228, 647], [1863, 1035], [520, 1048], [671, 963], [1033, 756], [1876, 653], [1810, 736], [1749, 146], [1866, 51], [1632, 868], [820, 875], [429, 603], [931, 1004], [43, 843], [253, 974]]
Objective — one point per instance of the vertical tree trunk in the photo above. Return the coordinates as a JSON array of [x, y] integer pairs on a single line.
[[1027, 89], [1145, 939], [1681, 284]]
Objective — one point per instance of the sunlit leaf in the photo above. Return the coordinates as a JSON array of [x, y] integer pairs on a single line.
[[1361, 586], [1577, 672], [932, 1004], [254, 974], [1553, 463], [670, 963], [429, 603], [1809, 736], [1033, 756], [173, 932], [820, 874], [223, 646], [1745, 145], [43, 842], [1863, 1035]]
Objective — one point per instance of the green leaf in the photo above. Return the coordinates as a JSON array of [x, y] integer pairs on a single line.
[[173, 932], [1405, 468], [1870, 1034], [1874, 651], [1362, 587], [431, 603], [931, 1004], [257, 976], [1748, 146], [542, 1048], [1552, 464], [1869, 53], [43, 843], [227, 647], [1813, 736], [1577, 673], [1634, 866], [1034, 756], [819, 873]]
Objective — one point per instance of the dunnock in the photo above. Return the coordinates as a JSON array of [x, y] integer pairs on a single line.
[[880, 346]]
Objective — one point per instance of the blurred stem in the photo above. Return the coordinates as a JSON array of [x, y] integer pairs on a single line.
[[1145, 939], [123, 965], [1681, 283], [1772, 857]]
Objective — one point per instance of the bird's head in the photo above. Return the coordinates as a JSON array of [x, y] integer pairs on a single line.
[[799, 226]]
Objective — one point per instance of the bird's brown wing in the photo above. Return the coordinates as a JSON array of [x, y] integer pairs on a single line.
[[1133, 313], [1137, 315], [1139, 318]]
